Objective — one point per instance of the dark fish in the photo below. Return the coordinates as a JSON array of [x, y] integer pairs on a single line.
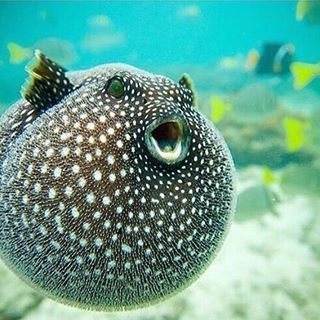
[[115, 192]]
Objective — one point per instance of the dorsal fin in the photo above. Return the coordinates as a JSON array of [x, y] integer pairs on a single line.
[[187, 82], [47, 83]]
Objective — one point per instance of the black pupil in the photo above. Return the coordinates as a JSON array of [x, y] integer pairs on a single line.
[[115, 88], [167, 135]]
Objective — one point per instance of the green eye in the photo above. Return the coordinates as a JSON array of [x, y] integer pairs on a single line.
[[115, 88]]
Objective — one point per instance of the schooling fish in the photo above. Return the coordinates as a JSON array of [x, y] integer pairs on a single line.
[[115, 191]]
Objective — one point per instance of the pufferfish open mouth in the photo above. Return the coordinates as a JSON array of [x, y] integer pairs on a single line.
[[168, 139]]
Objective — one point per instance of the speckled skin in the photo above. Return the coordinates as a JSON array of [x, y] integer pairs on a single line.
[[87, 216]]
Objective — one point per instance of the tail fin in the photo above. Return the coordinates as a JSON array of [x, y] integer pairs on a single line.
[[303, 73]]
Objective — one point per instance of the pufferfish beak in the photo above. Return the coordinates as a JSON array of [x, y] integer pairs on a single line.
[[187, 82]]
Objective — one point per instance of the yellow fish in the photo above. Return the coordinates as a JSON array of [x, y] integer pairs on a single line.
[[99, 21], [295, 130], [268, 176], [253, 58], [304, 73], [61, 50], [18, 54], [308, 10], [219, 108], [232, 62], [302, 8]]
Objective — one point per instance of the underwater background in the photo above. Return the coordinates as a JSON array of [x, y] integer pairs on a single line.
[[265, 102]]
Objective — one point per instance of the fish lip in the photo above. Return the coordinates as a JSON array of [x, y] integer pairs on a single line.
[[173, 116]]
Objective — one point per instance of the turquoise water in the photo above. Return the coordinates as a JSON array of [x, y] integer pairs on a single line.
[[150, 35], [269, 267]]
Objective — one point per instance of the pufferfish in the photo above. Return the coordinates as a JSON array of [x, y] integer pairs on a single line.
[[115, 191]]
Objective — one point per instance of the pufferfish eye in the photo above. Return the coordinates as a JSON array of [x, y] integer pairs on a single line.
[[168, 138], [115, 88]]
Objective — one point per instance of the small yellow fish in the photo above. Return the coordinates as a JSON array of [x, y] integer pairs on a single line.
[[192, 11], [253, 58], [99, 21], [304, 73], [295, 130], [231, 62], [219, 108], [18, 54], [268, 176], [61, 50], [302, 8], [308, 10]]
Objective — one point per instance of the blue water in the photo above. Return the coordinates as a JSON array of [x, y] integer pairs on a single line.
[[151, 35]]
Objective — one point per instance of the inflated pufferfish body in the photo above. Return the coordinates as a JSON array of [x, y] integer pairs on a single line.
[[115, 192]]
